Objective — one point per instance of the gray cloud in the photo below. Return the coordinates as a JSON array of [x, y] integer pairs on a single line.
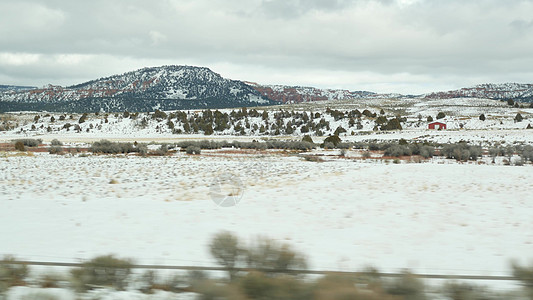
[[297, 8], [408, 45]]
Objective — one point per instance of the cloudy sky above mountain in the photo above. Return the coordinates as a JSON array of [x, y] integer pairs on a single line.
[[407, 46]]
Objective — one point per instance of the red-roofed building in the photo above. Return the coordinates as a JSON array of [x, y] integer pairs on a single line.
[[436, 125]]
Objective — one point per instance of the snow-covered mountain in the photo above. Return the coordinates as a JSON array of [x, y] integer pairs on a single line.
[[166, 87], [5, 88], [515, 91], [189, 87], [298, 94]]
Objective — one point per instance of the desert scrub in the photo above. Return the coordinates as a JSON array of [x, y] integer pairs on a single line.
[[289, 145], [52, 280], [107, 147], [227, 251], [334, 287], [257, 285], [398, 150], [56, 142], [162, 151], [193, 150], [313, 158], [11, 274], [204, 144], [268, 144], [525, 275], [29, 142], [55, 150], [461, 290], [102, 271], [271, 256], [19, 146], [407, 286], [461, 151]]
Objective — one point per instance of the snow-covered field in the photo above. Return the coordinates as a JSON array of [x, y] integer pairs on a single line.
[[28, 293], [433, 217], [345, 213]]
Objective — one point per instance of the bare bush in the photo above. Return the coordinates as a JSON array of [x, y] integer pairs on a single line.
[[12, 274], [525, 275], [257, 285], [193, 150], [407, 286], [461, 151], [163, 150], [52, 280], [398, 150], [108, 147], [29, 142], [426, 151], [56, 142], [464, 291], [226, 249], [19, 146], [102, 271], [313, 158], [142, 149], [270, 256], [55, 150]]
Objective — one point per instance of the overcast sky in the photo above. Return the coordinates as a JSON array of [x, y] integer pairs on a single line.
[[406, 46]]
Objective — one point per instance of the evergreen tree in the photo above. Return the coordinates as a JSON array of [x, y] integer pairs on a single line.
[[208, 129], [393, 124], [170, 124], [307, 138], [186, 127], [339, 130], [83, 118], [264, 115], [334, 139], [289, 129], [381, 120]]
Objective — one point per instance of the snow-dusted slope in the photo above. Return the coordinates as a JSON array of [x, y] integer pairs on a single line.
[[199, 86], [7, 88], [297, 94], [188, 87], [516, 91]]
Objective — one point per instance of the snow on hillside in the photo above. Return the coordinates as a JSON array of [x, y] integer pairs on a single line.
[[166, 82], [298, 94], [515, 91]]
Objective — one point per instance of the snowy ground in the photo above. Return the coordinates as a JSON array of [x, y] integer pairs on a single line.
[[439, 216], [433, 217], [462, 120], [28, 293]]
